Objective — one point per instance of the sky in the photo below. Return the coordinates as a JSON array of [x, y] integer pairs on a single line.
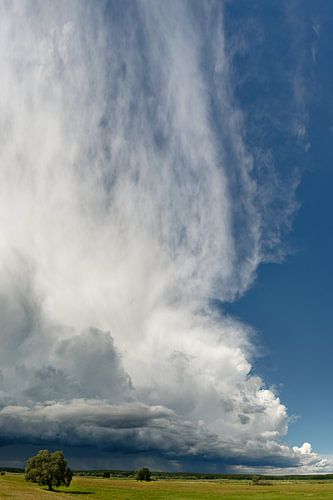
[[165, 218], [290, 303]]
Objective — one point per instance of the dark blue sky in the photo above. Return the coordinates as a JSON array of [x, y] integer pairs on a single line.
[[291, 303]]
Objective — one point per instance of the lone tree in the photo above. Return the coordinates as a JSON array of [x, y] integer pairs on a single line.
[[143, 474], [48, 469]]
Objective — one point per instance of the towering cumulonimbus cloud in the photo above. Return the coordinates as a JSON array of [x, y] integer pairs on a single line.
[[127, 206]]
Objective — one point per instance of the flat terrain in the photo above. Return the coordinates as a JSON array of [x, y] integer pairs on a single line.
[[14, 486]]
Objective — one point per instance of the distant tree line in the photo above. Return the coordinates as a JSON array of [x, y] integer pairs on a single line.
[[199, 475], [118, 473]]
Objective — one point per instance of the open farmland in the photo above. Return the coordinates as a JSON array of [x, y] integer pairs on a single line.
[[14, 486]]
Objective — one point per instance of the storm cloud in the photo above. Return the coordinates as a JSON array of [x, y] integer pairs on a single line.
[[128, 207]]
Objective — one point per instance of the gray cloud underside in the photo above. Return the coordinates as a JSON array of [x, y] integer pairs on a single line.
[[136, 428]]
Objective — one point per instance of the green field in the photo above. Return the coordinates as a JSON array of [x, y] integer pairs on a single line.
[[14, 486]]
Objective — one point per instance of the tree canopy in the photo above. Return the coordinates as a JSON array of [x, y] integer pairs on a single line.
[[48, 469], [143, 474]]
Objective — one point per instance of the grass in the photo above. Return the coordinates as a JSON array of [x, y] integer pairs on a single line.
[[14, 486]]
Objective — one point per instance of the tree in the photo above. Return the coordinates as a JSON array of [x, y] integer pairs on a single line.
[[143, 474], [48, 469]]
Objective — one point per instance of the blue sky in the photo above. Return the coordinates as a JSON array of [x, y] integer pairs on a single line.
[[290, 304], [165, 212]]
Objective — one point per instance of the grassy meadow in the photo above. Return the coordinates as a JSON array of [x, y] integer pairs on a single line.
[[14, 486]]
